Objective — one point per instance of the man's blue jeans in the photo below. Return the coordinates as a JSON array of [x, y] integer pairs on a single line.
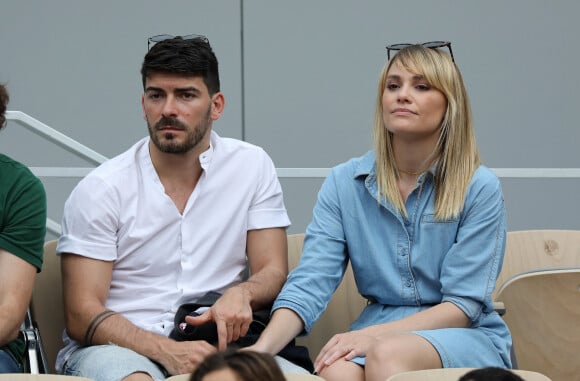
[[8, 363]]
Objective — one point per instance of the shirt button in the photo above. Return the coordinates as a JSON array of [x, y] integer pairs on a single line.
[[403, 252]]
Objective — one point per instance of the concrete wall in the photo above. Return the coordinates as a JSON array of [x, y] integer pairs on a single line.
[[300, 80]]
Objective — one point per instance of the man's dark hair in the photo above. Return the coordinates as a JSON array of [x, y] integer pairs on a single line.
[[193, 57], [4, 98], [490, 374]]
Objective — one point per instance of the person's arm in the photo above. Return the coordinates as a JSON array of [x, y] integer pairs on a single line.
[[86, 285], [22, 237], [267, 254], [443, 315], [283, 327], [16, 284]]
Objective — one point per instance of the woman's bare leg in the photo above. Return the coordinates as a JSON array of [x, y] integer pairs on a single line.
[[400, 353], [342, 370]]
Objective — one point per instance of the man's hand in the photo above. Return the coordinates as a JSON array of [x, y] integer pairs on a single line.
[[181, 357], [232, 314]]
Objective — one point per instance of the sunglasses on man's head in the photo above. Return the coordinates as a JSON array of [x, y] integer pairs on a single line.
[[162, 37], [430, 45]]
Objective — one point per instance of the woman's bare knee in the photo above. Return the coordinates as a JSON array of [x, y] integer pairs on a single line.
[[400, 353], [343, 370]]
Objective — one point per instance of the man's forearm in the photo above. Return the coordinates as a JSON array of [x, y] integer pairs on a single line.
[[112, 328], [263, 288]]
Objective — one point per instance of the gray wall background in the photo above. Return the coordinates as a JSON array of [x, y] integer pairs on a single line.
[[300, 80]]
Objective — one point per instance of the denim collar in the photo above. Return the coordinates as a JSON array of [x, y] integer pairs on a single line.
[[366, 167]]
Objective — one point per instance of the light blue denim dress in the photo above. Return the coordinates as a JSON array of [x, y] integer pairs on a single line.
[[404, 265]]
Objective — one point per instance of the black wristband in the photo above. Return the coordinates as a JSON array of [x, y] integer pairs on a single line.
[[97, 320]]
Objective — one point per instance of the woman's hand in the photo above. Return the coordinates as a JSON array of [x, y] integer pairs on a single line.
[[343, 345]]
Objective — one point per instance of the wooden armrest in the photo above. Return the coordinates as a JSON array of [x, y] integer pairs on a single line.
[[499, 308]]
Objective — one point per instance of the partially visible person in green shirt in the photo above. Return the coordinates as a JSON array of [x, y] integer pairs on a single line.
[[22, 235]]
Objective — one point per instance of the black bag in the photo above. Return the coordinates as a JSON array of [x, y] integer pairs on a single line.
[[184, 332]]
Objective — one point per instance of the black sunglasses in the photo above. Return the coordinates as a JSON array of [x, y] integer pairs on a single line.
[[162, 37], [430, 45]]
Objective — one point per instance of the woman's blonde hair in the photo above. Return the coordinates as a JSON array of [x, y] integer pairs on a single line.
[[456, 153]]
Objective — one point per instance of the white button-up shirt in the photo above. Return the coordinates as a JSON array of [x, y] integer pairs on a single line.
[[162, 258]]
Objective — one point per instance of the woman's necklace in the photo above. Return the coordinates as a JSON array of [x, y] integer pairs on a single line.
[[412, 173]]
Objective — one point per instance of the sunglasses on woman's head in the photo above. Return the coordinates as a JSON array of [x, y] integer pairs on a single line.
[[430, 45]]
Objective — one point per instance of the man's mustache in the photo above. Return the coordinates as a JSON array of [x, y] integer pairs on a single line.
[[169, 122]]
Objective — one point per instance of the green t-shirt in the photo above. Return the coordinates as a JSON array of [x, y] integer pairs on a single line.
[[22, 219]]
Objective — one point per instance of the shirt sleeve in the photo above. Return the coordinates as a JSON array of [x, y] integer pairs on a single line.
[[310, 286], [471, 267], [267, 209], [90, 220], [24, 219]]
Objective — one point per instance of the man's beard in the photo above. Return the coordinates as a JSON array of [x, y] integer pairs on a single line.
[[192, 137]]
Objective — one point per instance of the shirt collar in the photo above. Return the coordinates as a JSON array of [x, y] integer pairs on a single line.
[[366, 166], [206, 156]]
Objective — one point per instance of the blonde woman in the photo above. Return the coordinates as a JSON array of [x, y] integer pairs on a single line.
[[423, 224]]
